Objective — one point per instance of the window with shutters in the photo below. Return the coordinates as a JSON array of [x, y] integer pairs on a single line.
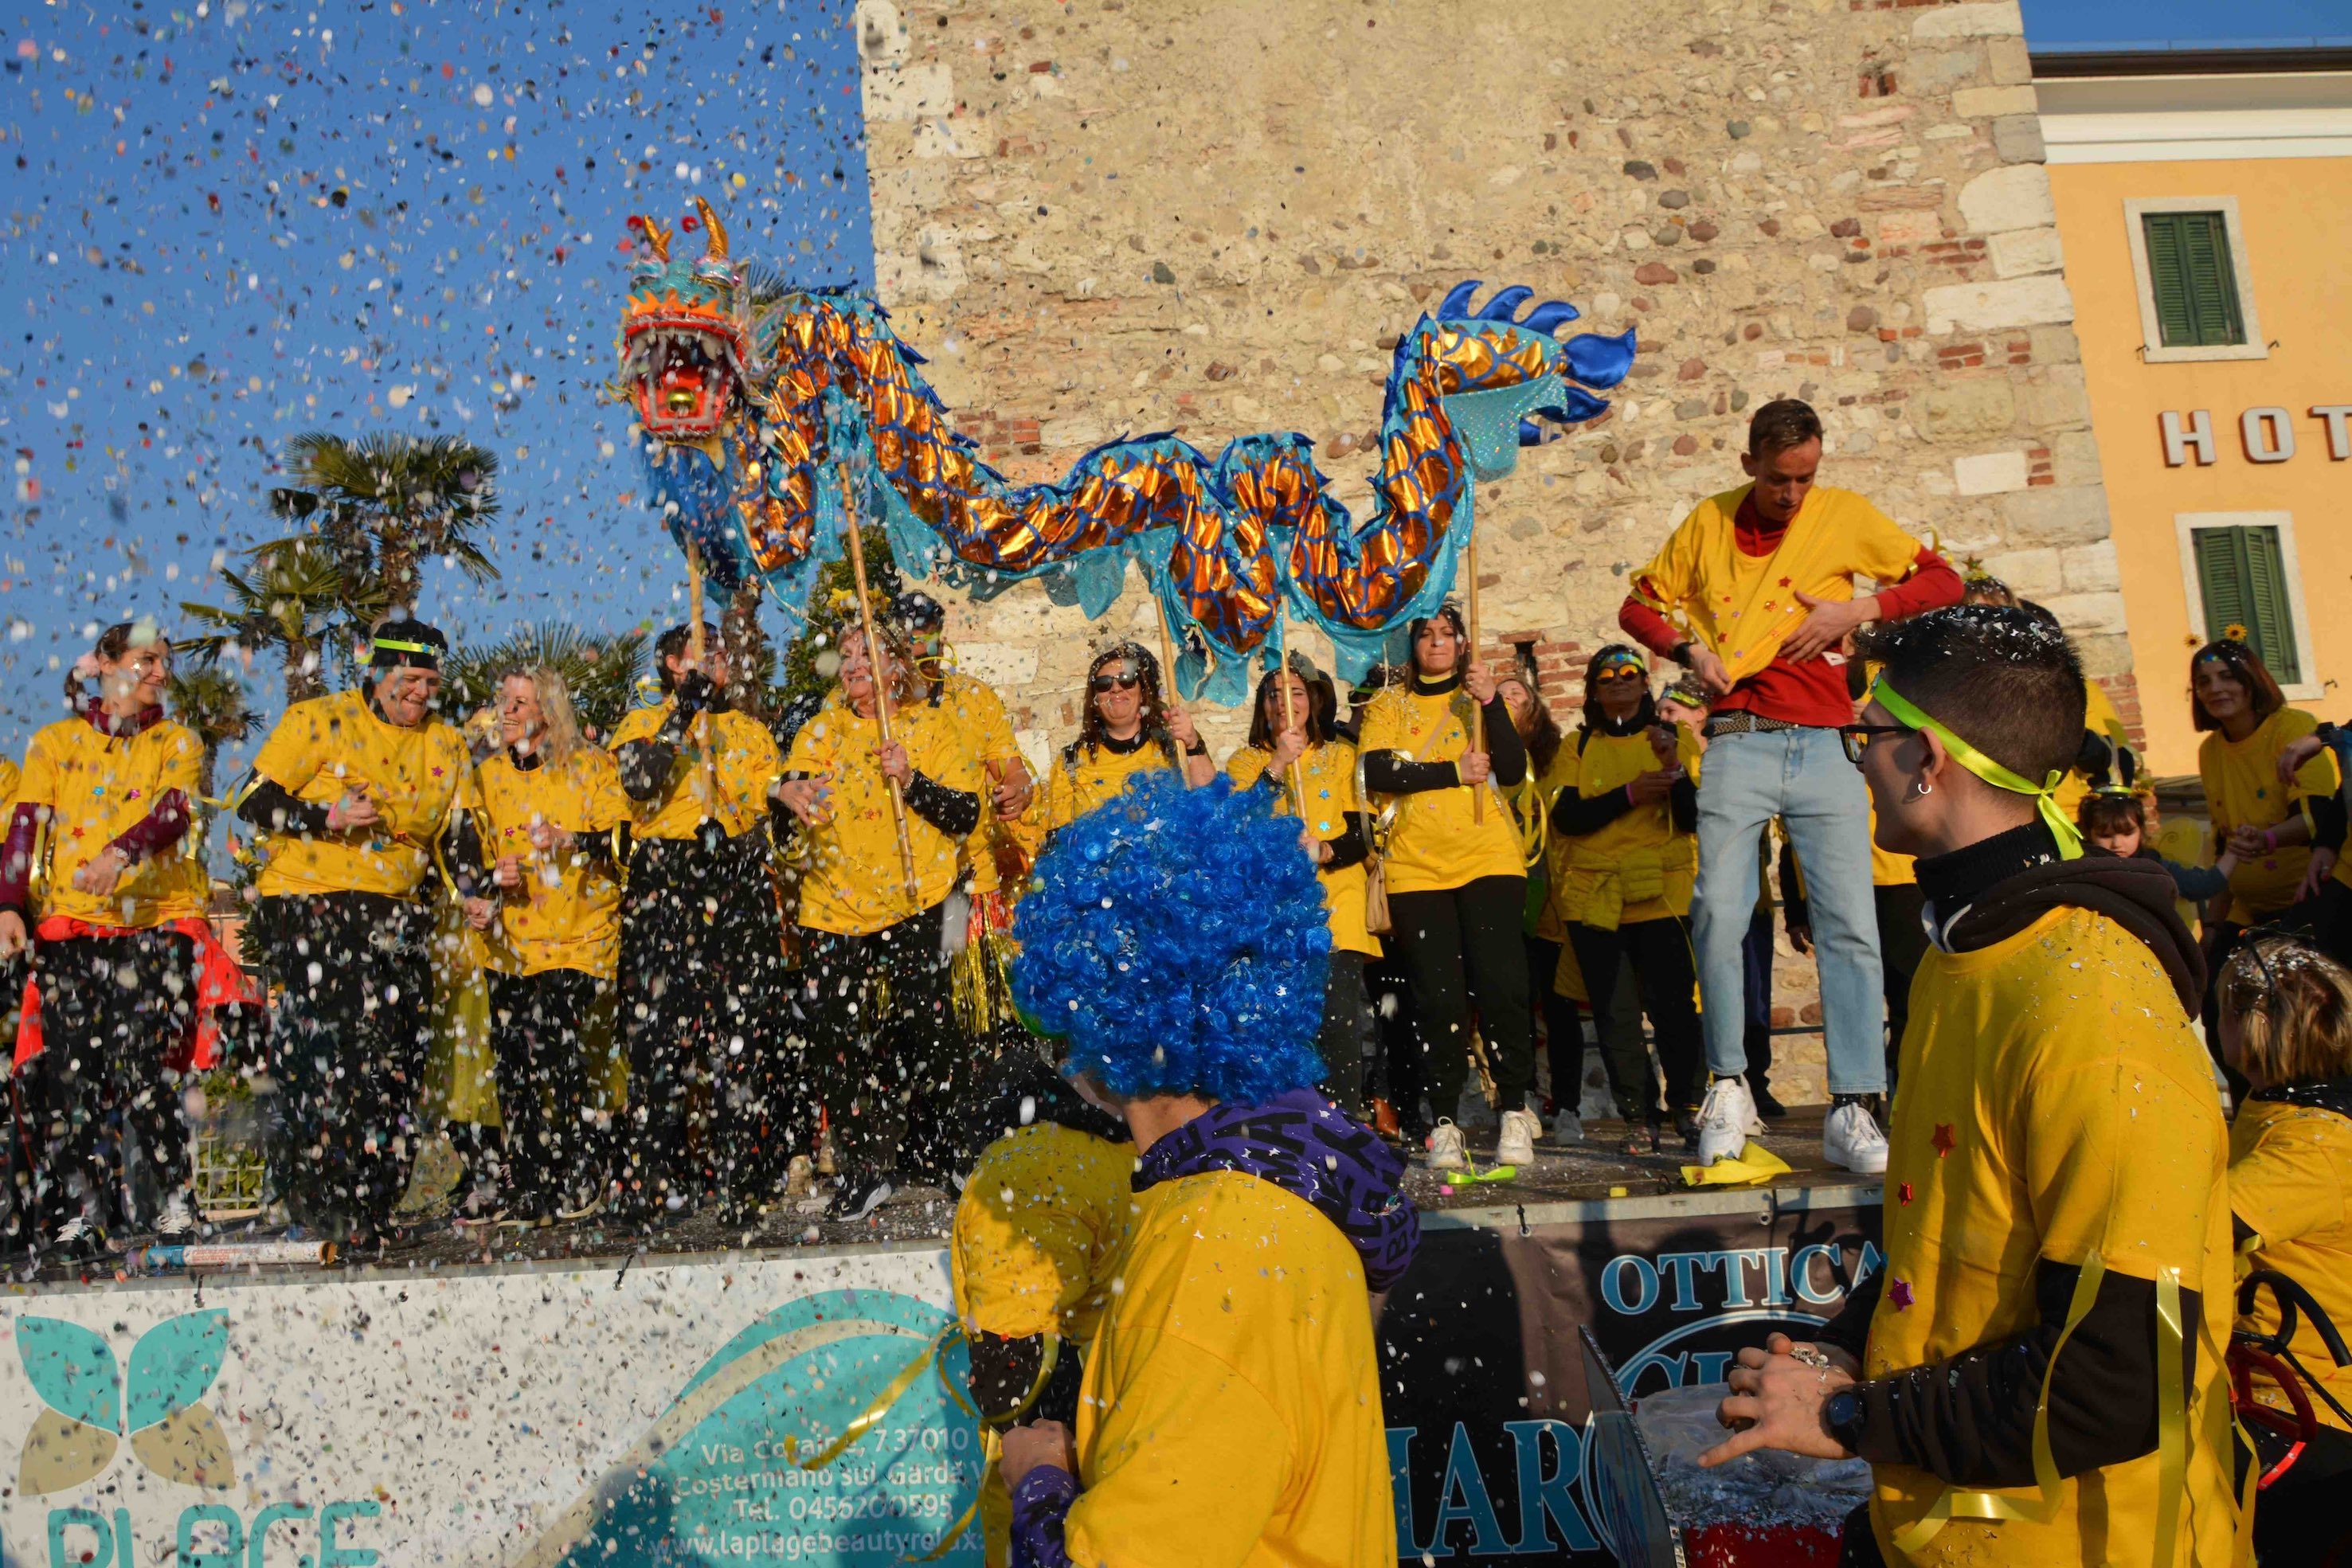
[[2189, 258], [2196, 289], [2242, 573]]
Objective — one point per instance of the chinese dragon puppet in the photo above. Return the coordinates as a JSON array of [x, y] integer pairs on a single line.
[[756, 403]]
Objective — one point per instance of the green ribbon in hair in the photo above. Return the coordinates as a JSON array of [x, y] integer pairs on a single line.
[[405, 647], [2046, 796]]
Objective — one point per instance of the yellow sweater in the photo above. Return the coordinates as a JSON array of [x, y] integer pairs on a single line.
[[97, 786], [2242, 790], [856, 884], [978, 714], [1435, 841], [331, 745], [567, 913], [1640, 866], [1329, 772], [2290, 1170], [723, 772], [1085, 777], [2055, 1104], [1231, 1412]]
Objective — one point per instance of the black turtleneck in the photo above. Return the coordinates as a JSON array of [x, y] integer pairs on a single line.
[[1387, 773], [1127, 748], [1953, 882]]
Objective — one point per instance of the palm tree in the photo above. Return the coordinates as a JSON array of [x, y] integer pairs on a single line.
[[385, 502], [750, 659], [211, 700], [601, 670], [294, 595]]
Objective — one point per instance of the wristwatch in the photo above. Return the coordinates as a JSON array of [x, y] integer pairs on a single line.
[[1841, 1419], [1197, 748]]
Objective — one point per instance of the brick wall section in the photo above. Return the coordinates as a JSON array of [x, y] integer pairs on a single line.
[[1130, 216]]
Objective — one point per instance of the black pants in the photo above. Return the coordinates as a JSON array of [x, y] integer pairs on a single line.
[[536, 1036], [1660, 953], [348, 1046], [889, 1057], [1902, 943], [1394, 1072], [114, 1009], [712, 1106], [2301, 1521], [1460, 945], [1555, 1016], [1345, 1039]]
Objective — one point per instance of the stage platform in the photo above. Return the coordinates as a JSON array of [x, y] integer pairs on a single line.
[[1611, 1175]]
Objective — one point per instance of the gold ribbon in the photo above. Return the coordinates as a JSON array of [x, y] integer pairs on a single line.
[[2045, 798], [879, 1406], [2171, 1431]]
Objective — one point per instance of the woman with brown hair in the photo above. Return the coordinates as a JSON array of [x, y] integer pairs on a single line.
[[113, 791], [885, 1050], [1457, 881], [2236, 703], [1127, 727], [551, 810], [1336, 833], [1628, 811]]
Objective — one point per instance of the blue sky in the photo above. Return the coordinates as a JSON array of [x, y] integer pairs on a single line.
[[2078, 22], [228, 221]]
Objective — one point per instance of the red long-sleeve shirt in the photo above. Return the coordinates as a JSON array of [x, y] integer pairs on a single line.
[[1809, 691]]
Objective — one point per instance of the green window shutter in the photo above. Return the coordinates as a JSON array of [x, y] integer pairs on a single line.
[[2242, 576], [2273, 623], [2195, 285]]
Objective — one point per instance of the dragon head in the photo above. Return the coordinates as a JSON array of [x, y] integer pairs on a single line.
[[685, 335]]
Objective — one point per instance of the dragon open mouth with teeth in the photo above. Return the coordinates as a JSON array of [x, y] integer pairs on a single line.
[[765, 410]]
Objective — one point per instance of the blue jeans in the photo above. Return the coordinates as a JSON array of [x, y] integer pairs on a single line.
[[1801, 776]]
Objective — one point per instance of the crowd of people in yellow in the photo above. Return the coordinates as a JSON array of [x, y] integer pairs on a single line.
[[1194, 1088]]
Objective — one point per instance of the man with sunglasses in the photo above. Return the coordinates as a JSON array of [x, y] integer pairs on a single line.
[[1755, 592]]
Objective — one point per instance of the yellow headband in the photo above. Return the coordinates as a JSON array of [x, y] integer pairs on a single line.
[[2045, 802]]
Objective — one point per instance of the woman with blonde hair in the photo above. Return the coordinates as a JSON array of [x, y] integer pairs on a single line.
[[886, 1052], [2287, 1025], [550, 810]]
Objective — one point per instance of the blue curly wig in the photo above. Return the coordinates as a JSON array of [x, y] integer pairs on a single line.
[[1177, 939]]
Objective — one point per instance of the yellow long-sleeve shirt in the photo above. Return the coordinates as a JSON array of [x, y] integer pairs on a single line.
[[856, 884], [567, 913], [2055, 1105], [1329, 774], [2242, 790], [1085, 776], [2290, 1172], [1231, 1412], [1437, 839], [96, 787], [722, 772]]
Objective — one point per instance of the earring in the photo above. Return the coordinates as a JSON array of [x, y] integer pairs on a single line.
[[1923, 787]]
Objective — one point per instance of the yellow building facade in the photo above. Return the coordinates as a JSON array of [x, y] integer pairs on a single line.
[[2205, 206]]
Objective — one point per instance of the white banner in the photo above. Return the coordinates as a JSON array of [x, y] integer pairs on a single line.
[[781, 1407]]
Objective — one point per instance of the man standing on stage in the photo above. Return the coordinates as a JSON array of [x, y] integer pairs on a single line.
[[701, 948], [1755, 592], [352, 792]]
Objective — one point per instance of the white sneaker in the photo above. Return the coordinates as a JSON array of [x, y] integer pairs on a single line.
[[178, 1218], [1727, 1119], [1516, 1143], [1445, 1147], [1567, 1127], [1850, 1138]]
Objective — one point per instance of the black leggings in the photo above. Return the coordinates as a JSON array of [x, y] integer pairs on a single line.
[[1461, 943], [1345, 1039], [1660, 952], [891, 1061], [703, 994], [114, 1009], [536, 1034], [347, 1045]]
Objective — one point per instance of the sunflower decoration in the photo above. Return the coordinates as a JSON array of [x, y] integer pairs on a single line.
[[2235, 632]]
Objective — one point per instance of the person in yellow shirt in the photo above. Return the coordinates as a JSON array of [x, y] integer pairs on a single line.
[[354, 793], [1456, 880], [110, 792], [2268, 825], [549, 900], [884, 1048], [713, 1103], [1627, 814], [1230, 1411], [1129, 728], [1337, 835], [2286, 1029], [2035, 1371], [1039, 1231]]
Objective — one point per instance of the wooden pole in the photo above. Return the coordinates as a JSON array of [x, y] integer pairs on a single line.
[[1477, 712], [878, 661], [1289, 722], [1166, 676], [695, 650]]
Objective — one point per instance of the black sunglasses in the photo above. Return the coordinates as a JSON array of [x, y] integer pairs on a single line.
[[1857, 737], [1118, 683]]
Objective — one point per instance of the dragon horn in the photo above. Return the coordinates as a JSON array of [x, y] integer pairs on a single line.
[[716, 246], [658, 238]]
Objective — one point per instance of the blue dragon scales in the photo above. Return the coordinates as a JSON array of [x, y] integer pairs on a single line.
[[765, 410]]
